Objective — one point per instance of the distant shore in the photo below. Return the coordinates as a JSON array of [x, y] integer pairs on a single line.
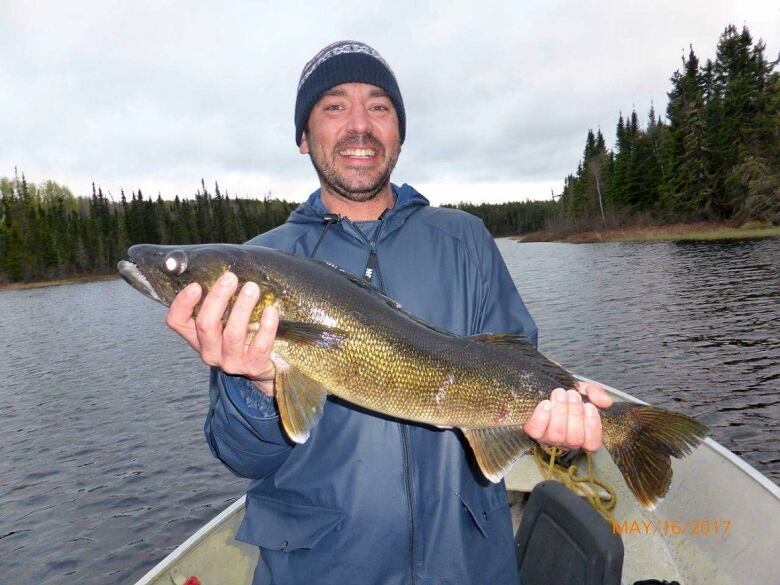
[[58, 281], [673, 232]]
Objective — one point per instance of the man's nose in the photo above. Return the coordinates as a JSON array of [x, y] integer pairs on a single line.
[[359, 120]]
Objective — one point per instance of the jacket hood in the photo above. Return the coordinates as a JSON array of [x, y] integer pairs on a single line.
[[407, 201]]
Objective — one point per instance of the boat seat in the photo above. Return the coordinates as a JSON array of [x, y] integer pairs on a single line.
[[563, 540]]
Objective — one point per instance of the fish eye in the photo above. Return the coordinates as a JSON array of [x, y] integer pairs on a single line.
[[175, 263]]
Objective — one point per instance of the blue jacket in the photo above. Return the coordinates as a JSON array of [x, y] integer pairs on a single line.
[[369, 499]]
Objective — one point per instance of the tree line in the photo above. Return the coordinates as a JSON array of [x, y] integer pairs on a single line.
[[48, 233], [715, 157], [515, 217]]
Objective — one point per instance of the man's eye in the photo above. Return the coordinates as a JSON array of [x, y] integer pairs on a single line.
[[334, 107], [380, 108]]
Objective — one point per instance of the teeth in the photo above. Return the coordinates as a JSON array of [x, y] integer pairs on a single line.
[[363, 152], [133, 275]]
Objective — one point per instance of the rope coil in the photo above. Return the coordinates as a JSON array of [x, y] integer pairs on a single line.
[[583, 485]]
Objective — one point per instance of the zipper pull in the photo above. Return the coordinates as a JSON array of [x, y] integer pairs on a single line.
[[370, 265], [329, 218]]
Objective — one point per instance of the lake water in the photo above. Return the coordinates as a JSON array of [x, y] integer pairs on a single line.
[[103, 464]]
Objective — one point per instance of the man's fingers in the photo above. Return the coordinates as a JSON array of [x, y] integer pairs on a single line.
[[263, 343], [537, 424], [596, 393], [179, 317], [209, 319], [258, 355], [566, 421], [234, 335], [556, 429], [593, 430], [575, 430]]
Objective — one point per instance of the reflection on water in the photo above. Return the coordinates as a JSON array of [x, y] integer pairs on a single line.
[[104, 468]]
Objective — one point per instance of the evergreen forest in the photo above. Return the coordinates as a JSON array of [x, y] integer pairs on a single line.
[[715, 156], [47, 233]]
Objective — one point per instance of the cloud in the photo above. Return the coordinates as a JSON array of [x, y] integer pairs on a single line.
[[160, 94]]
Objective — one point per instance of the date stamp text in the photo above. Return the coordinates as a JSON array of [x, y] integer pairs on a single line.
[[708, 527]]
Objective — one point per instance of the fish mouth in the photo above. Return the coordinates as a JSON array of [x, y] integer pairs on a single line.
[[135, 278]]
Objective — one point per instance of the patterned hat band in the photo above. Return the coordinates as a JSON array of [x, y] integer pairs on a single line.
[[338, 48]]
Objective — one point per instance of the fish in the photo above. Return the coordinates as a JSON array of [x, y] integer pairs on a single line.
[[340, 335]]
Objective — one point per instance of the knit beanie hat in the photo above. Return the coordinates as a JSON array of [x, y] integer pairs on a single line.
[[344, 62]]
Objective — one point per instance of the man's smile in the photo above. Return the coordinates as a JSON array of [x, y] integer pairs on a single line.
[[359, 153]]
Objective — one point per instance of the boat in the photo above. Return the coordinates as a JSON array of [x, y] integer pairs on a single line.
[[718, 525]]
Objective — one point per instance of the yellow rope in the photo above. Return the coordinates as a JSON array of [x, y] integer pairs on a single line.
[[586, 485]]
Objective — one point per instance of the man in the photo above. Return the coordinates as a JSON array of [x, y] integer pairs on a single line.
[[368, 499]]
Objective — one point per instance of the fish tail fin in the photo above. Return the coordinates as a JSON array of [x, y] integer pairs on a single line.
[[641, 440]]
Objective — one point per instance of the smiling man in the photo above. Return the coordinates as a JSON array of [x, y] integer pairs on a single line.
[[368, 499], [346, 141]]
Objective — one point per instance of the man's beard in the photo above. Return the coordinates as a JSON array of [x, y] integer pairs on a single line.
[[360, 188]]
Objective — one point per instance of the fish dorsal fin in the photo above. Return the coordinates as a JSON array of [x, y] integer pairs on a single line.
[[520, 345], [300, 399], [497, 448], [311, 333]]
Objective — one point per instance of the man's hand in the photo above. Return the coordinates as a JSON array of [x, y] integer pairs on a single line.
[[565, 421], [228, 348]]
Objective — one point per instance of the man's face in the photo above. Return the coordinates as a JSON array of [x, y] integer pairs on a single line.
[[353, 141]]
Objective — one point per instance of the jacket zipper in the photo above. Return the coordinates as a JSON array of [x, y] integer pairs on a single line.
[[409, 497], [371, 265]]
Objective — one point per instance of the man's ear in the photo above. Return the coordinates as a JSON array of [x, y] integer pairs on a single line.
[[304, 147]]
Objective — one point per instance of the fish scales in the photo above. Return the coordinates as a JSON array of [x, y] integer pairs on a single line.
[[429, 377]]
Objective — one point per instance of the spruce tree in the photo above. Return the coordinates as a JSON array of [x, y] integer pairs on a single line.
[[688, 192]]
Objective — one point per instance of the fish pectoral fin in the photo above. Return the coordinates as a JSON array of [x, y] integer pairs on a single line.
[[311, 333], [300, 400], [496, 449]]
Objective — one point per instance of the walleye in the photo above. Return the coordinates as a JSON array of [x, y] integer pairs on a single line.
[[339, 335]]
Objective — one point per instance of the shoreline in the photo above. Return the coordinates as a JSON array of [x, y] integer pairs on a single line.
[[58, 281], [703, 231], [678, 232]]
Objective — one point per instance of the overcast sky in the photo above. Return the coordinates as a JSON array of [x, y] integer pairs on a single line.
[[499, 95]]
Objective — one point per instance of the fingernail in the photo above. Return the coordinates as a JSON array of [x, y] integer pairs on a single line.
[[251, 289], [193, 289], [268, 313], [228, 279], [590, 410], [546, 405], [574, 396], [559, 395]]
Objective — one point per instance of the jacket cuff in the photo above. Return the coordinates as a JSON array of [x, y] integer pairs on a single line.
[[236, 404], [247, 398], [243, 428]]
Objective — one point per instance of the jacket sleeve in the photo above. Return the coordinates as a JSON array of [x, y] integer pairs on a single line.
[[503, 311], [242, 427]]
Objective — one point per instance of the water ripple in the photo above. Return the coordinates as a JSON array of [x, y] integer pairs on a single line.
[[111, 404]]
